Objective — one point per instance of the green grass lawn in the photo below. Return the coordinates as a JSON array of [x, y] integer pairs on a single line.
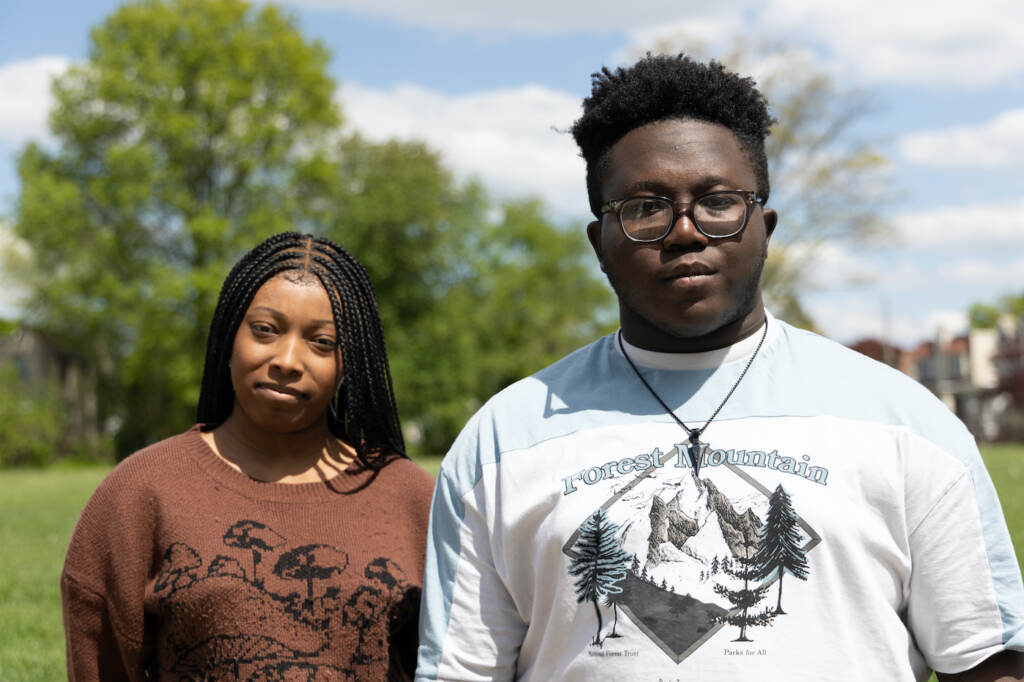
[[38, 510]]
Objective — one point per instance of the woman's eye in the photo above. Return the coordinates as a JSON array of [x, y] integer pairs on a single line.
[[261, 329], [325, 343]]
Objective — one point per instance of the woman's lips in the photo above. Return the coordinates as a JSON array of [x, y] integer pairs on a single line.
[[279, 392]]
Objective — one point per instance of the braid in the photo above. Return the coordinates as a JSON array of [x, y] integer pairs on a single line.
[[364, 410]]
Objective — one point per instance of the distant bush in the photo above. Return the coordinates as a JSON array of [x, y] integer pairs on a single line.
[[31, 420]]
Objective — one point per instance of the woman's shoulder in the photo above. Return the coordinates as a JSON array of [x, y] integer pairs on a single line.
[[409, 471], [121, 513], [405, 478], [152, 467]]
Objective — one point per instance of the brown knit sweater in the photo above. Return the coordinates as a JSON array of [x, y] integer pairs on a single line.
[[181, 567]]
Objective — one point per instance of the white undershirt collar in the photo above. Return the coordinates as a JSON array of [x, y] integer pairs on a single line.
[[740, 350]]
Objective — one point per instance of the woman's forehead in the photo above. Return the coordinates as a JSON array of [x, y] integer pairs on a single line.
[[295, 294]]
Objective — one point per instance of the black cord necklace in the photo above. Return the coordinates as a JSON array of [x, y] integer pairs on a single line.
[[695, 444]]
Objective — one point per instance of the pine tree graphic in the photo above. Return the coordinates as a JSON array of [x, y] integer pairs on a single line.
[[780, 543], [600, 564], [744, 568]]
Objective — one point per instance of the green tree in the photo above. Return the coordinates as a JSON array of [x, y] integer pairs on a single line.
[[180, 142], [198, 127], [983, 316], [986, 315], [827, 182], [472, 296]]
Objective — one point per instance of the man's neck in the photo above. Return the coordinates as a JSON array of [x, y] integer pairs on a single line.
[[642, 334]]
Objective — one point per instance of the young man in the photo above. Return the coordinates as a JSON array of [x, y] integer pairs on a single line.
[[709, 493]]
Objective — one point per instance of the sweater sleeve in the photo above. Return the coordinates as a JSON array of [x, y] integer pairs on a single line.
[[103, 582], [95, 650]]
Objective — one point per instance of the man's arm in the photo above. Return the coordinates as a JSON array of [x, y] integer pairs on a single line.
[[470, 629], [1006, 666]]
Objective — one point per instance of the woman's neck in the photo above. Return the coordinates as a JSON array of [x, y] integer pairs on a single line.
[[307, 456]]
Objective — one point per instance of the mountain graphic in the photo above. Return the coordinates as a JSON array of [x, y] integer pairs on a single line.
[[681, 529]]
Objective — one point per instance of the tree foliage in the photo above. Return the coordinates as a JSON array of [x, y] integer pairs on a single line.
[[180, 141], [827, 182], [986, 315], [195, 129]]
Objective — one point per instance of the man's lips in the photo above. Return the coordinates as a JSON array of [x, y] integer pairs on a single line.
[[685, 270]]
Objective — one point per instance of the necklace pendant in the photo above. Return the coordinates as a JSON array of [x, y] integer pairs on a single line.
[[694, 449]]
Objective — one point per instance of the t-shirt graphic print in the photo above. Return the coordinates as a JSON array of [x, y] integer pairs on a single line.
[[685, 555]]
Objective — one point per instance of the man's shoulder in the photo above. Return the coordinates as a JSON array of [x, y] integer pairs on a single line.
[[572, 370], [833, 362], [834, 379], [563, 397]]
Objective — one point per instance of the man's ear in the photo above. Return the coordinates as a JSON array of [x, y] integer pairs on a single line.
[[594, 235], [771, 219]]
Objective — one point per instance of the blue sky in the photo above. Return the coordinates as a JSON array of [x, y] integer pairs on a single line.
[[491, 84]]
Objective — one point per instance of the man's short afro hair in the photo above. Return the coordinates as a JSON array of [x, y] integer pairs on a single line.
[[659, 88]]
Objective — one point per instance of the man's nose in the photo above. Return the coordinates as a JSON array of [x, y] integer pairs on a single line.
[[683, 233]]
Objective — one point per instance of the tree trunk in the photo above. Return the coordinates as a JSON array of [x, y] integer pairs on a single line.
[[778, 607], [597, 637]]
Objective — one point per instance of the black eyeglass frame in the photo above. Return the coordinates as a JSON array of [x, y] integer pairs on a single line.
[[750, 198]]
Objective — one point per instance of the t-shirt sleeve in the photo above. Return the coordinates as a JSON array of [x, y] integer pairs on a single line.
[[965, 600], [469, 626]]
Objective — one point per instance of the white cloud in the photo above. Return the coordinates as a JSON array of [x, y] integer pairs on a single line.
[[26, 100], [993, 224], [513, 140], [914, 41], [531, 16], [849, 319], [987, 272], [919, 42], [834, 265], [993, 144], [952, 322]]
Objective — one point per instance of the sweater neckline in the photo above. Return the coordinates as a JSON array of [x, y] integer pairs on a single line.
[[349, 480]]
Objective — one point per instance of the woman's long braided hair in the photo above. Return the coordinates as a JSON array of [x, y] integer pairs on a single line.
[[363, 411]]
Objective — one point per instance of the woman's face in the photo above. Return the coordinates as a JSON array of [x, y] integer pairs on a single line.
[[286, 361]]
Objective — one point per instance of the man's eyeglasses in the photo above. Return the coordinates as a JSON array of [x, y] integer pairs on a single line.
[[716, 214]]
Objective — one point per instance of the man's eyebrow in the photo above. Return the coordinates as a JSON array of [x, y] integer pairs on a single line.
[[664, 188]]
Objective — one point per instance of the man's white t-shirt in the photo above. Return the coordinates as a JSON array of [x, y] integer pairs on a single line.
[[841, 525]]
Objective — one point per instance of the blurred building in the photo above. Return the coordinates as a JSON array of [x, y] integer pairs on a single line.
[[978, 375], [39, 363]]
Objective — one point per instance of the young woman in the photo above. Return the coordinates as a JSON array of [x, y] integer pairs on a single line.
[[282, 537]]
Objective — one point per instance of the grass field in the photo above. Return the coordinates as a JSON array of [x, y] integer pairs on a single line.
[[38, 510]]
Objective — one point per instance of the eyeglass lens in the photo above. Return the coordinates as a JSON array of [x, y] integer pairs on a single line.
[[651, 218]]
